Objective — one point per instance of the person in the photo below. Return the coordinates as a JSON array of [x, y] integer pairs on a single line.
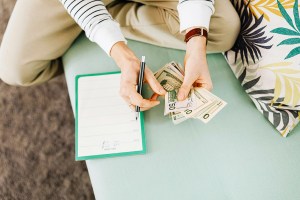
[[39, 33]]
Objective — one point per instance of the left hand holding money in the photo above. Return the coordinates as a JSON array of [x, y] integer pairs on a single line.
[[196, 68]]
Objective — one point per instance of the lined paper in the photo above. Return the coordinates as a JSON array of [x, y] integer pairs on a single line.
[[105, 124]]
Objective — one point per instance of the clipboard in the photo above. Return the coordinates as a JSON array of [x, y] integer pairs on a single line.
[[105, 126]]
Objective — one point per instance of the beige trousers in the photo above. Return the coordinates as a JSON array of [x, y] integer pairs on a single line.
[[35, 39]]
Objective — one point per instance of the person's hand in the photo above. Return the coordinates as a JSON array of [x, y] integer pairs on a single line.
[[130, 67], [196, 68]]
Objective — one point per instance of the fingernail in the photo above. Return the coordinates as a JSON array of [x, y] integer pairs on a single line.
[[162, 91]]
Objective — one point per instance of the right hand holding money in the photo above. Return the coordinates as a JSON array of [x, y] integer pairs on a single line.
[[130, 67], [199, 104], [196, 71]]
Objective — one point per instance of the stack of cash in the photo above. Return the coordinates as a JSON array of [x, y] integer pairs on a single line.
[[200, 103]]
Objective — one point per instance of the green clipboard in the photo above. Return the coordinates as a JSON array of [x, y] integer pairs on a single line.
[[95, 156]]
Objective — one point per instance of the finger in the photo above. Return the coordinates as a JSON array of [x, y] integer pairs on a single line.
[[141, 109], [197, 84], [145, 108], [185, 87], [132, 107], [153, 83], [154, 97], [127, 100], [137, 99], [207, 85], [124, 94]]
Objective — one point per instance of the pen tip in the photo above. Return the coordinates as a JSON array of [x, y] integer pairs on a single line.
[[143, 58]]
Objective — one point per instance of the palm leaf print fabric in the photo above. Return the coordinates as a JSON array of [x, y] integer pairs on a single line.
[[266, 58], [265, 7]]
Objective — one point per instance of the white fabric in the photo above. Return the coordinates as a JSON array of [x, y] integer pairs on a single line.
[[107, 34], [93, 17], [195, 14]]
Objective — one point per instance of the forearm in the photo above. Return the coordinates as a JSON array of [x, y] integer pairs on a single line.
[[93, 17]]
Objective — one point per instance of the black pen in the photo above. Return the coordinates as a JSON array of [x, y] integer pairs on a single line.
[[140, 85]]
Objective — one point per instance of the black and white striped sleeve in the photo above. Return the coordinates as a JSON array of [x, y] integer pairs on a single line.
[[195, 13], [93, 17]]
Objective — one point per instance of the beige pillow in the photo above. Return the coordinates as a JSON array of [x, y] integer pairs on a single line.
[[266, 59]]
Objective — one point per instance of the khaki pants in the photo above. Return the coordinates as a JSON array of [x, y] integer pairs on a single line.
[[40, 31]]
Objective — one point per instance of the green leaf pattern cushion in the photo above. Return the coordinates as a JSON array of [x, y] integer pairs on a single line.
[[266, 58]]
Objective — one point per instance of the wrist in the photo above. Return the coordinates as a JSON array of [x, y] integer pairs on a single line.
[[196, 45], [195, 31], [121, 53]]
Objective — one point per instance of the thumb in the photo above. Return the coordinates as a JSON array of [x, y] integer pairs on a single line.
[[185, 88], [154, 84]]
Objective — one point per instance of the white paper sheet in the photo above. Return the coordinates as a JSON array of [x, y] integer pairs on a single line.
[[106, 124]]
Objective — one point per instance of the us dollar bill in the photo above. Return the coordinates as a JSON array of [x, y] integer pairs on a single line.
[[178, 117], [209, 112], [174, 67], [173, 105], [203, 98], [169, 77], [207, 106]]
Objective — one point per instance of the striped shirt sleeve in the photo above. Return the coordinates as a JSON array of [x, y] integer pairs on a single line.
[[195, 13], [99, 26], [93, 17]]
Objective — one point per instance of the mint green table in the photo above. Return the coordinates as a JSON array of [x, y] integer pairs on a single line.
[[236, 156]]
